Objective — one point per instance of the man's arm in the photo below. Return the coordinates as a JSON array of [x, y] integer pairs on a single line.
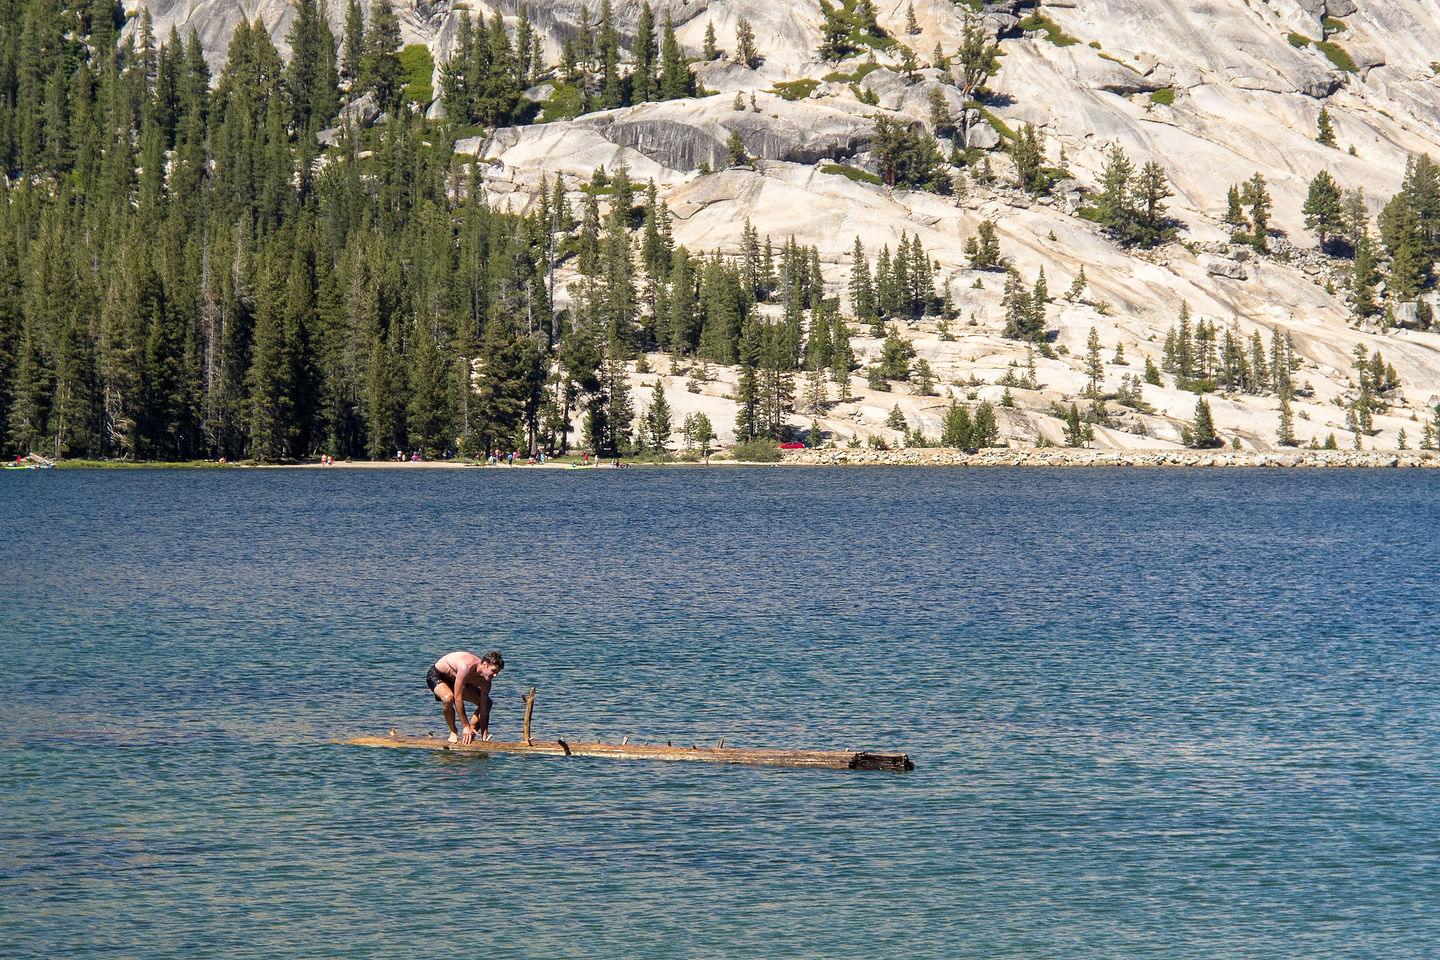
[[484, 710], [461, 677]]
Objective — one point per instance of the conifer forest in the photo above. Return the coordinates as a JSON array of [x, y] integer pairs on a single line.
[[187, 273]]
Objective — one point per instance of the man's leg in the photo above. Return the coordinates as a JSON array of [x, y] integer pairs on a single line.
[[447, 700], [480, 718]]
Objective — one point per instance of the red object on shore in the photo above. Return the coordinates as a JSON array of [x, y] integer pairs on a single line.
[[792, 446]]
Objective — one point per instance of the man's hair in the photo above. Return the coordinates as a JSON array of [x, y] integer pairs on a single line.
[[493, 657]]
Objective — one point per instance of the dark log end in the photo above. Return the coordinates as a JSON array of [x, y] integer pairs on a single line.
[[898, 762]]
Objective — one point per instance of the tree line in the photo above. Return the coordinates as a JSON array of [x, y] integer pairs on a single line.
[[183, 274]]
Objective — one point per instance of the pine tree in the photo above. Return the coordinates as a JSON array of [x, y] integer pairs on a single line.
[[1039, 296], [885, 296], [735, 155], [1258, 367], [1355, 216], [676, 79], [1028, 154], [657, 420], [1077, 434], [746, 53], [1094, 366], [428, 412], [834, 34], [816, 394], [1149, 191], [271, 379], [311, 75], [612, 92], [1235, 218], [985, 430], [956, 429], [748, 418], [1362, 279], [985, 252], [529, 51], [1322, 207], [380, 64], [1202, 434], [842, 358], [1257, 198], [1117, 213], [924, 379], [709, 53], [942, 124], [895, 356], [642, 78], [353, 51], [975, 56], [1020, 312], [1325, 131]]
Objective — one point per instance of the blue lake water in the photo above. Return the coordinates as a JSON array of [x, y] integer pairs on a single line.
[[1155, 714]]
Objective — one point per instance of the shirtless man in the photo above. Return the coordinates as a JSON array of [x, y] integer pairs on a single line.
[[463, 672]]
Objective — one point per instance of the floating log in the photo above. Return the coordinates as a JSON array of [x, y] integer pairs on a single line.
[[829, 759]]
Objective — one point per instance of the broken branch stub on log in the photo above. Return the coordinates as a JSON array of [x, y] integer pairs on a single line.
[[529, 706]]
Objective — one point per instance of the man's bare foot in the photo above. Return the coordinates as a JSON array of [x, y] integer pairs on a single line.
[[454, 738]]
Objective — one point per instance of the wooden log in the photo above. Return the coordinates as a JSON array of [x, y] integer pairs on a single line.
[[828, 759]]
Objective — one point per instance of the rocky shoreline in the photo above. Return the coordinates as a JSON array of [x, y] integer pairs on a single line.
[[1067, 457]]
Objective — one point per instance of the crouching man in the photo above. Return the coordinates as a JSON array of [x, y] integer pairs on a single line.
[[461, 676]]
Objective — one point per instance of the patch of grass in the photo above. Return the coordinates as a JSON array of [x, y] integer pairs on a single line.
[[970, 156], [1333, 25], [861, 72], [859, 39], [1166, 97], [417, 67], [865, 96], [757, 451], [1095, 44], [1298, 40], [1005, 132], [854, 173], [1337, 56], [1089, 213], [564, 104], [796, 89], [1053, 33], [1053, 175], [1106, 56]]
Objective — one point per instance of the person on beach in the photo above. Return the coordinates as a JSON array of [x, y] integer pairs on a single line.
[[460, 676]]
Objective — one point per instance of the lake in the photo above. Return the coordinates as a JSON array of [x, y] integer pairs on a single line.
[[1154, 713]]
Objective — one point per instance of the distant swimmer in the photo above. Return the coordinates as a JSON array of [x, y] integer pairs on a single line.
[[462, 671]]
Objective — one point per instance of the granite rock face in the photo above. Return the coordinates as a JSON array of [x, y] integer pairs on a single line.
[[1238, 98], [682, 135]]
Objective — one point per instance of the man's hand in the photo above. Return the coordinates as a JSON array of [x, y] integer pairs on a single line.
[[466, 734]]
